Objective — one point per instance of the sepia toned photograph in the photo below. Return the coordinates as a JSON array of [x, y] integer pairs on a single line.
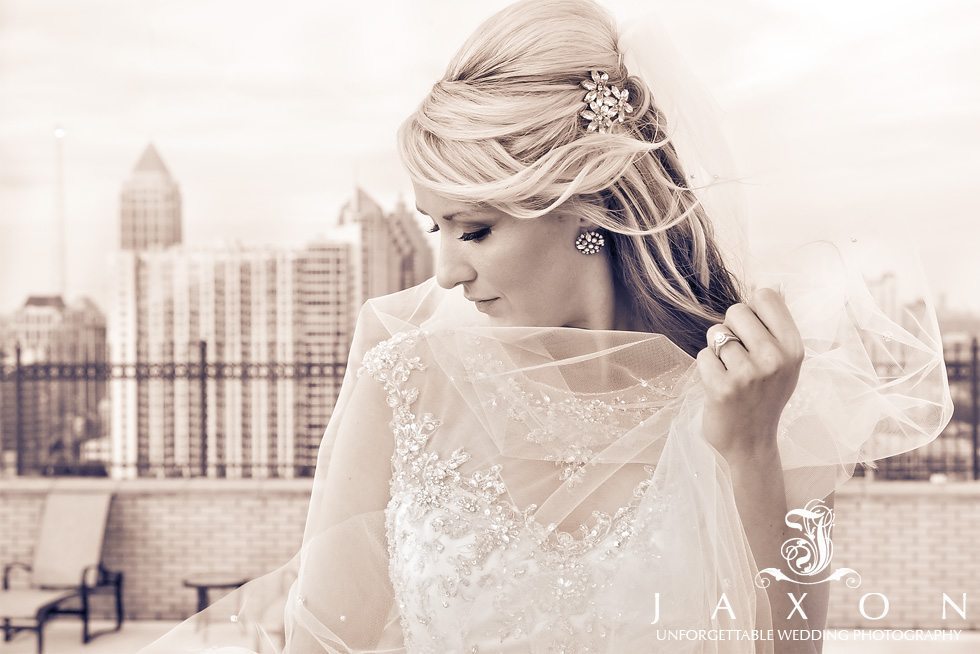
[[511, 326]]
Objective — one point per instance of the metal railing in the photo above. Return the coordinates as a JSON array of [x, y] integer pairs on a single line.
[[54, 418], [955, 454]]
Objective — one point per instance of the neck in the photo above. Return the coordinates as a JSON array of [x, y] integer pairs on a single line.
[[625, 315], [607, 305]]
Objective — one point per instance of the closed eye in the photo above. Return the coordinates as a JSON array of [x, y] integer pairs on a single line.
[[478, 235]]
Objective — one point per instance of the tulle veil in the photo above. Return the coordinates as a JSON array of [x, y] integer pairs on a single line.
[[617, 415]]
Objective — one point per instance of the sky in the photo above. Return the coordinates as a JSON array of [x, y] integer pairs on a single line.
[[851, 117]]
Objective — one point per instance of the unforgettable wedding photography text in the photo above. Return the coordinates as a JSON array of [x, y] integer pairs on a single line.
[[724, 605], [755, 635]]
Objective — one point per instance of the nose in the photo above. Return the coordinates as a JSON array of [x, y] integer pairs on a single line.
[[453, 267]]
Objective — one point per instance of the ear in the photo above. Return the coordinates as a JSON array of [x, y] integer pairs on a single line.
[[582, 223]]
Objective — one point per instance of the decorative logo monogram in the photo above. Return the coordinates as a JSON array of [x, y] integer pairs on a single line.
[[809, 554]]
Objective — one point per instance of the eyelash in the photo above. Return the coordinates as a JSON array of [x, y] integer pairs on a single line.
[[477, 236]]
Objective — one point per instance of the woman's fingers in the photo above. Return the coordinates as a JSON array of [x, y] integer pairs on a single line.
[[771, 310], [768, 337], [732, 353], [742, 320]]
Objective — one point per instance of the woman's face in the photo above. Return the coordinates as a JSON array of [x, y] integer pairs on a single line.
[[519, 272]]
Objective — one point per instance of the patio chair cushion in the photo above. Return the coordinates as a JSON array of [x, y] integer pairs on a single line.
[[25, 603], [70, 538]]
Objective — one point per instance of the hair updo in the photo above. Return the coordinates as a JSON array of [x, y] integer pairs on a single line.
[[502, 128]]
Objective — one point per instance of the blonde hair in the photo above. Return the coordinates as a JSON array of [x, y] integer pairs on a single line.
[[502, 128]]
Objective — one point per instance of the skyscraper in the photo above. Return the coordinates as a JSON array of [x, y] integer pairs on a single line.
[[261, 313], [276, 325], [394, 250], [150, 206]]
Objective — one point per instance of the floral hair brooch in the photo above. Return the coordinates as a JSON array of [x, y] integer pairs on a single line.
[[605, 104]]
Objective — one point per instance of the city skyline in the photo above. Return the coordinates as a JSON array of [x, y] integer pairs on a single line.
[[282, 317], [240, 105]]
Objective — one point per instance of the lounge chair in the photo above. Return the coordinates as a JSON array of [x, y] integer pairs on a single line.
[[66, 571]]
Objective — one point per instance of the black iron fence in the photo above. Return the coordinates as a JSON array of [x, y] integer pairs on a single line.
[[955, 455], [55, 420]]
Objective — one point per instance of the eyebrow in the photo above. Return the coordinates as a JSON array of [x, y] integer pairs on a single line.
[[449, 216]]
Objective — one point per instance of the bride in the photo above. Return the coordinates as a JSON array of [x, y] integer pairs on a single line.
[[585, 433]]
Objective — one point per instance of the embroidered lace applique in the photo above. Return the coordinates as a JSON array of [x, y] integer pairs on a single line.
[[465, 537], [571, 429]]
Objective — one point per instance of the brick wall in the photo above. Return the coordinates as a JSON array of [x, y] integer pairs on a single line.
[[161, 531], [910, 541]]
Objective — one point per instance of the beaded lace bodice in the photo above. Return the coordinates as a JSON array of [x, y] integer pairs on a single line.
[[460, 550]]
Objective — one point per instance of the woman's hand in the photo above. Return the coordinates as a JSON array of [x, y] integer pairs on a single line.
[[748, 384]]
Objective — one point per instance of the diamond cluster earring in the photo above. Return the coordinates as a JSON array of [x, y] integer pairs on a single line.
[[590, 242]]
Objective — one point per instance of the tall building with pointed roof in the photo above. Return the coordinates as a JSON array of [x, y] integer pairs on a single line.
[[150, 206]]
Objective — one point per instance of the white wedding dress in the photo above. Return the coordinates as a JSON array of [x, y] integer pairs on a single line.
[[531, 489]]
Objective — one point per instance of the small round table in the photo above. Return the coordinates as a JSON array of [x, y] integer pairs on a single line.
[[203, 583]]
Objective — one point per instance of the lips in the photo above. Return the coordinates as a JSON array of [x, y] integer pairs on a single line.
[[484, 305]]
